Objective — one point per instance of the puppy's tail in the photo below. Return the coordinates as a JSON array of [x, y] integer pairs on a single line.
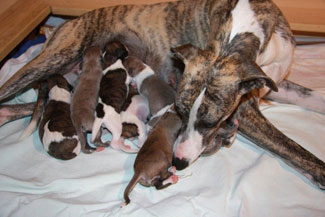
[[38, 111], [135, 179]]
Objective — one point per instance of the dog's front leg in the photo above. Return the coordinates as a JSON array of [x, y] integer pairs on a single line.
[[253, 125]]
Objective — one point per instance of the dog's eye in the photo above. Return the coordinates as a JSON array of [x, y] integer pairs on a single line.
[[206, 124]]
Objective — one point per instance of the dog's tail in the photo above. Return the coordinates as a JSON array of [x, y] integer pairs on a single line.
[[38, 111], [135, 179], [292, 93], [257, 128]]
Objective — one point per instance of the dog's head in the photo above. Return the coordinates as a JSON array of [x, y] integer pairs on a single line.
[[210, 90], [60, 81], [133, 65], [113, 51]]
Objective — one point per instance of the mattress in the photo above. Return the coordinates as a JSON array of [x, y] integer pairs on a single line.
[[240, 181]]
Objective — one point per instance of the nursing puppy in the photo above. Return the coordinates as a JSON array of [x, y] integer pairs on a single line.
[[85, 95], [56, 129], [112, 95], [42, 96], [136, 114], [129, 130], [269, 45], [149, 85], [155, 157]]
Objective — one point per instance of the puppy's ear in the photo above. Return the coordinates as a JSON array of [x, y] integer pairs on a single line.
[[185, 52], [255, 78]]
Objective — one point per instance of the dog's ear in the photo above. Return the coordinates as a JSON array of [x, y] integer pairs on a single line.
[[255, 78], [185, 52]]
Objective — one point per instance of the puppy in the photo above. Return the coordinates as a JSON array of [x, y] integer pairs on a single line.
[[129, 130], [70, 77], [85, 96], [56, 130], [137, 114], [155, 157], [112, 95], [149, 84]]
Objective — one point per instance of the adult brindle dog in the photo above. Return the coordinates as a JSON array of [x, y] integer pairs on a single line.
[[237, 40]]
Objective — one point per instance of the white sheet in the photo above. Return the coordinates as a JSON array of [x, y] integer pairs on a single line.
[[240, 181]]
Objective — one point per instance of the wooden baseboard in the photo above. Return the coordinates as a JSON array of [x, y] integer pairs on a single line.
[[18, 20]]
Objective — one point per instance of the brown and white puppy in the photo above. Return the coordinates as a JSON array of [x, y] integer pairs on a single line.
[[129, 130], [159, 93], [112, 95], [42, 96], [137, 114], [155, 157], [56, 129], [85, 95]]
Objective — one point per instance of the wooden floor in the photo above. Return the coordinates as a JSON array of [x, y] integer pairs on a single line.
[[19, 17]]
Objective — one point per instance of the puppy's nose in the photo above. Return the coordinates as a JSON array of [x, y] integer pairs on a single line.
[[180, 164]]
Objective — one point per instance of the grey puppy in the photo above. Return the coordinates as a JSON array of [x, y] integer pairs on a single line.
[[85, 96]]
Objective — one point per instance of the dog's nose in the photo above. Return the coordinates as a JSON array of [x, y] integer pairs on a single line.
[[180, 164]]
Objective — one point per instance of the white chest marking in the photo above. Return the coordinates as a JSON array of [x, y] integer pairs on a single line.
[[244, 20], [117, 65], [60, 94], [144, 74]]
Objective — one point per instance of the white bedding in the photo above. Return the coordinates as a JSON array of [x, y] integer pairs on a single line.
[[240, 181]]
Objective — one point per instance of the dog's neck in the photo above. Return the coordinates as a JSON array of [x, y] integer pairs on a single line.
[[143, 75], [60, 94]]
